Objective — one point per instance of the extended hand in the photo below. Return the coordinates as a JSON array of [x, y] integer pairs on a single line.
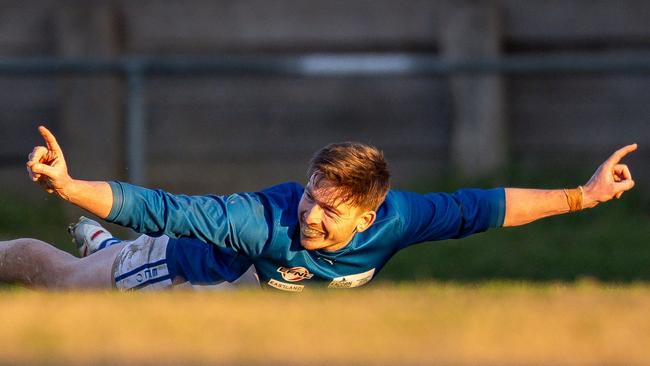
[[46, 165], [610, 180]]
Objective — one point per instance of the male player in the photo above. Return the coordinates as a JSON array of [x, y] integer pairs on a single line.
[[338, 231]]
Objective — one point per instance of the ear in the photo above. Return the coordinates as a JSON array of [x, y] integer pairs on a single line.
[[366, 220]]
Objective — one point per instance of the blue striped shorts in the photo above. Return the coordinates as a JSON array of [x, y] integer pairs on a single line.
[[151, 263], [142, 265]]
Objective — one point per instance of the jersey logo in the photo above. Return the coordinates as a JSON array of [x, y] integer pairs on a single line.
[[353, 280], [295, 274], [285, 286]]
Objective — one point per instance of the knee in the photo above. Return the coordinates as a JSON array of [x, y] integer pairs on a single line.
[[24, 245], [33, 262], [18, 244]]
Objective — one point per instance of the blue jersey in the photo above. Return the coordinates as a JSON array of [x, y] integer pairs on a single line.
[[263, 228]]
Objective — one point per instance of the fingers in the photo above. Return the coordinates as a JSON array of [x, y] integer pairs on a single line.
[[623, 179], [623, 186], [39, 154], [621, 172], [50, 140], [46, 186], [33, 176], [620, 154], [44, 155], [612, 179], [38, 169]]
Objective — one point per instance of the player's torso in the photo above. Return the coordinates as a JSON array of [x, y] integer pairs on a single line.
[[286, 265], [305, 271], [282, 263]]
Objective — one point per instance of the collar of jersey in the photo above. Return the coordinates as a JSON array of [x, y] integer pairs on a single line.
[[336, 253]]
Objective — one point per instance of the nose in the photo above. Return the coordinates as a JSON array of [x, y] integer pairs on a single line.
[[313, 214]]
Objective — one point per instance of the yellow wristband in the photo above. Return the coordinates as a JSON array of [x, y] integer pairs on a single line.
[[574, 198]]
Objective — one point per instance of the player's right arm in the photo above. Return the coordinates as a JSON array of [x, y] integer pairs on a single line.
[[236, 221], [47, 167]]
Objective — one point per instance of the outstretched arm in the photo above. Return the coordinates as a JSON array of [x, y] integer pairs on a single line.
[[609, 181], [47, 166], [154, 212]]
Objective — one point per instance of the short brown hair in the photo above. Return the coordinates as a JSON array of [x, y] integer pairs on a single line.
[[358, 171]]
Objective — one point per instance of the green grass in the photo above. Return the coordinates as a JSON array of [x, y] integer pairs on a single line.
[[43, 219]]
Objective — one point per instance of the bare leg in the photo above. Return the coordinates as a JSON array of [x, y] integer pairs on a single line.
[[38, 264]]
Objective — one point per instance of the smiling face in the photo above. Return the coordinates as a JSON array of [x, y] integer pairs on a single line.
[[348, 181], [327, 222]]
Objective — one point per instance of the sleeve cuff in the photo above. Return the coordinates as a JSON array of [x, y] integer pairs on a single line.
[[498, 203], [118, 200]]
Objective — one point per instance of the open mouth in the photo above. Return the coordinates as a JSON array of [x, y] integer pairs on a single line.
[[310, 233]]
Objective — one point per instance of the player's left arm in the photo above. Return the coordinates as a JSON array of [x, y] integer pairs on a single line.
[[610, 180]]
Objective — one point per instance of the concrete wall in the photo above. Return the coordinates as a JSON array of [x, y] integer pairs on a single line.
[[212, 134]]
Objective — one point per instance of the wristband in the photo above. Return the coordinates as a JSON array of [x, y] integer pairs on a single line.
[[574, 198]]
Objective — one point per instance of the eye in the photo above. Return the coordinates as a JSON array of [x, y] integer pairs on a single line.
[[331, 213]]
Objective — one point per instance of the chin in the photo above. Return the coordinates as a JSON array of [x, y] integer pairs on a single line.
[[310, 244]]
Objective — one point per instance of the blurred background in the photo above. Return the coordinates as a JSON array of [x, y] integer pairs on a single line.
[[202, 96]]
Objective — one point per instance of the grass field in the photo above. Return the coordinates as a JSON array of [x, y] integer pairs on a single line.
[[427, 323], [582, 299]]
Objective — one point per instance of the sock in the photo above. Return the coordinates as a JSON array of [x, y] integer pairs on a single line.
[[108, 242], [103, 238]]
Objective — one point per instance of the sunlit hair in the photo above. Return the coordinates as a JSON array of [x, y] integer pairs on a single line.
[[358, 173]]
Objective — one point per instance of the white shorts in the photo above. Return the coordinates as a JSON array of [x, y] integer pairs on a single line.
[[142, 265]]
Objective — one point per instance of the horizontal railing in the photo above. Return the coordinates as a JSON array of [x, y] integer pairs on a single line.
[[329, 65], [136, 69]]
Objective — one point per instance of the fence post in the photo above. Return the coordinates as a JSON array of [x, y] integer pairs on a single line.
[[471, 31], [136, 140]]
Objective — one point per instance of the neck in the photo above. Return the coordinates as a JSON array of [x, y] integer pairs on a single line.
[[335, 247]]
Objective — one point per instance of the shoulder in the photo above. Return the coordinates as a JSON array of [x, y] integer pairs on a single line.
[[404, 200], [255, 216], [283, 193], [417, 208], [390, 212], [287, 187], [280, 196]]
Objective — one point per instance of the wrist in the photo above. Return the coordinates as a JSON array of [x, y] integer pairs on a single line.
[[588, 200], [574, 199], [69, 189]]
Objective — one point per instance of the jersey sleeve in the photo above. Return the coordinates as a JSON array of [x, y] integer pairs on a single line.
[[439, 216], [236, 221]]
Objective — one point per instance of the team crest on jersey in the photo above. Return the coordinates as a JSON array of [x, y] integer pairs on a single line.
[[295, 274], [354, 280]]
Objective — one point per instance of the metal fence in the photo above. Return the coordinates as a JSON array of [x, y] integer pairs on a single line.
[[135, 71]]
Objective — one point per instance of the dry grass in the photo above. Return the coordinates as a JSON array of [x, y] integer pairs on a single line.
[[493, 324]]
